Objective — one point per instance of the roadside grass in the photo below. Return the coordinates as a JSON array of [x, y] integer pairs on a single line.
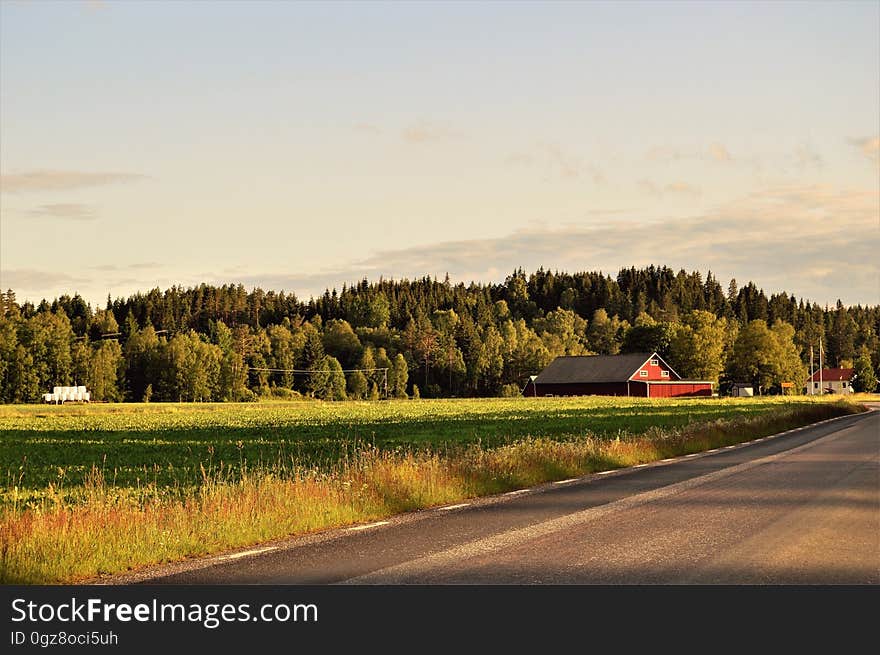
[[99, 528]]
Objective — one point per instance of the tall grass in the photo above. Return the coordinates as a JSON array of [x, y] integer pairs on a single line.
[[107, 530]]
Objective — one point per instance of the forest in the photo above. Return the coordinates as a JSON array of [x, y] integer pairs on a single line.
[[422, 337]]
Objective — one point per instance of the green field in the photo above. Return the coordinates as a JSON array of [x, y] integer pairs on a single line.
[[174, 445]]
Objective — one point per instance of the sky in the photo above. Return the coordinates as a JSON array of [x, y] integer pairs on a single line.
[[302, 146]]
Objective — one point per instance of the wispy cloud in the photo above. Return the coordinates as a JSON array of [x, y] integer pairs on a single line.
[[682, 188], [367, 128], [678, 187], [718, 152], [48, 180], [869, 146], [64, 211], [556, 163], [133, 267], [715, 152], [817, 242], [663, 153], [426, 131], [805, 156], [38, 283]]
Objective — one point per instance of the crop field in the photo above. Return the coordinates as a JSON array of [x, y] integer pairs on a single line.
[[177, 445], [90, 491]]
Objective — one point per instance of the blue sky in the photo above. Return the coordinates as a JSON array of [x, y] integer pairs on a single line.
[[299, 146]]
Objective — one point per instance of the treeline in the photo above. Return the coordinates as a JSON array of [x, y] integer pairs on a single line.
[[420, 337]]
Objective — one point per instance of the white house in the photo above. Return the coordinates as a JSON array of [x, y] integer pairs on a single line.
[[833, 380]]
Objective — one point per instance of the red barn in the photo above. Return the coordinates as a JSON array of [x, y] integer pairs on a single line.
[[639, 374]]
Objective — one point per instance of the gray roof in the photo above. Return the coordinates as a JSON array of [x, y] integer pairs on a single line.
[[592, 368]]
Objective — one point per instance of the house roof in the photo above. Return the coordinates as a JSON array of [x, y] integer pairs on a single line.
[[829, 374], [593, 368]]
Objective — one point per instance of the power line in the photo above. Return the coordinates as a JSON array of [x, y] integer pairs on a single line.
[[324, 370]]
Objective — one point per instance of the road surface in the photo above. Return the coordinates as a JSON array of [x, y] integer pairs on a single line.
[[799, 508]]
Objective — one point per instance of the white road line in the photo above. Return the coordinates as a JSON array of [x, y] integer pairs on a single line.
[[604, 472], [245, 553], [691, 455], [367, 526], [668, 459], [566, 481], [514, 493], [448, 507], [638, 466], [714, 450]]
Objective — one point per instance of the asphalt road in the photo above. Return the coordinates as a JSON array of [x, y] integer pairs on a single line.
[[799, 508]]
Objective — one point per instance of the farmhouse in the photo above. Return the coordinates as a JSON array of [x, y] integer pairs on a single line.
[[831, 380], [637, 374]]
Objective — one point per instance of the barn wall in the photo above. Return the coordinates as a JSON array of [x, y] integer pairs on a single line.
[[660, 390]]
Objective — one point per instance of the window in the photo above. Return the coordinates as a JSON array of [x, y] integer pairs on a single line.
[[815, 385], [643, 374], [664, 374], [654, 362], [844, 385]]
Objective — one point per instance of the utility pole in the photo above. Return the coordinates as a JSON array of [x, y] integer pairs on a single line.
[[821, 381], [811, 370]]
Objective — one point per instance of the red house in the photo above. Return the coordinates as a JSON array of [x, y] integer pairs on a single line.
[[639, 374]]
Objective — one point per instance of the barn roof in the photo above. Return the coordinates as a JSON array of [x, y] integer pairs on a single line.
[[592, 368], [832, 374]]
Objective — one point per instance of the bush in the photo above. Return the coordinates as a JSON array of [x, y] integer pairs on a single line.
[[510, 391], [281, 393], [433, 391]]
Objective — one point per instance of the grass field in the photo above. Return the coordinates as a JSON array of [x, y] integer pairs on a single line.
[[175, 445], [102, 488]]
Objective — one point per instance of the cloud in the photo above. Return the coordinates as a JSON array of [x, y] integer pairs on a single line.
[[682, 188], [66, 211], [648, 187], [136, 266], [816, 242], [806, 157], [664, 153], [44, 283], [367, 128], [869, 146], [48, 180], [679, 188], [718, 152], [556, 163], [426, 131]]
